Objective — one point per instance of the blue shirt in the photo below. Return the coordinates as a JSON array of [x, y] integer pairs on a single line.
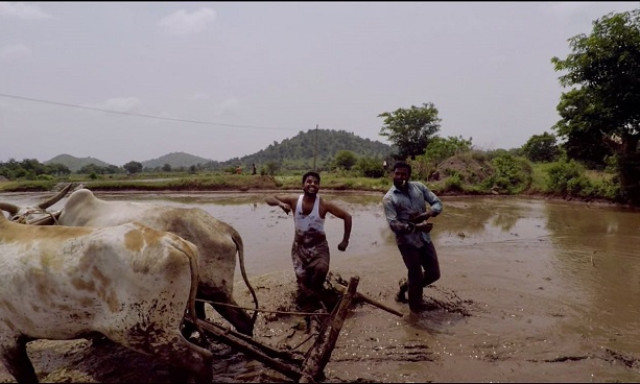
[[400, 206]]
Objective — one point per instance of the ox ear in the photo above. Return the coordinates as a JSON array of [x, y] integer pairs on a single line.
[[46, 204], [8, 207]]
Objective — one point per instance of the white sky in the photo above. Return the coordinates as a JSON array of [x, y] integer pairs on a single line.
[[226, 79]]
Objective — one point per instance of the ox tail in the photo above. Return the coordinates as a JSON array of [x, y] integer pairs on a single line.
[[240, 248], [192, 255]]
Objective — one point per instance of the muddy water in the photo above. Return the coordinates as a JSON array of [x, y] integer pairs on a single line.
[[531, 290]]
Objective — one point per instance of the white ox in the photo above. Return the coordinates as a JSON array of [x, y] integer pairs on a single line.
[[217, 242], [129, 283]]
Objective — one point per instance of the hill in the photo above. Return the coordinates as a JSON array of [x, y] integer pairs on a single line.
[[177, 160], [298, 152], [322, 145], [76, 163]]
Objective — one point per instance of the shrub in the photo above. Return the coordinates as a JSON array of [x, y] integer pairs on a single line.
[[512, 175], [453, 183], [370, 167], [560, 174]]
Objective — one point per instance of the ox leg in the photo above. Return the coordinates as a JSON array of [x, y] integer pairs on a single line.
[[187, 328], [193, 359], [15, 359], [236, 316], [200, 311], [186, 359]]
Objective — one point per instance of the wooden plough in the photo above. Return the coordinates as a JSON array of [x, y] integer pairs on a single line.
[[303, 370]]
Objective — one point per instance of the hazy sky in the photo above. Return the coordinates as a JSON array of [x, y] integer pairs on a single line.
[[226, 79]]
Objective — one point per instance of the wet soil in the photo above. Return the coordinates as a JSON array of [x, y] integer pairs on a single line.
[[519, 300]]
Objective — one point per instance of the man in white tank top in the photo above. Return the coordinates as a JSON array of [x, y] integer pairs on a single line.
[[310, 250]]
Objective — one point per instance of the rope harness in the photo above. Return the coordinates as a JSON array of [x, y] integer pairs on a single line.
[[23, 218]]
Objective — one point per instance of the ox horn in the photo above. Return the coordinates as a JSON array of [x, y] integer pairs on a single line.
[[8, 207], [56, 198]]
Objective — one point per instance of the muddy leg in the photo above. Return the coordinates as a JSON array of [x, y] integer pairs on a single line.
[[185, 358], [401, 295], [412, 260], [197, 360], [15, 358], [429, 261], [187, 328], [236, 316]]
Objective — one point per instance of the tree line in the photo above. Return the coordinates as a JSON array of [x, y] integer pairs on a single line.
[[32, 169]]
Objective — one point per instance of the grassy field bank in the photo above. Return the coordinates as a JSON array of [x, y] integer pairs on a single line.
[[529, 180]]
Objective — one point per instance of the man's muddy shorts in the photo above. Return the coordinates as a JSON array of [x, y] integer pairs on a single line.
[[306, 259]]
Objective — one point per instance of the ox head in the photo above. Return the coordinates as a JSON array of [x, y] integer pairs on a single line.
[[35, 215]]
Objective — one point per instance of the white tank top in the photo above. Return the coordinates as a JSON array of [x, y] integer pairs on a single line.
[[311, 222]]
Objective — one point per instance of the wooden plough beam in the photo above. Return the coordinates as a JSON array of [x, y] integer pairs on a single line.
[[341, 288], [262, 353], [318, 356], [320, 353]]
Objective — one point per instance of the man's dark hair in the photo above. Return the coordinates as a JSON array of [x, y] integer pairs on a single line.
[[402, 164], [310, 173]]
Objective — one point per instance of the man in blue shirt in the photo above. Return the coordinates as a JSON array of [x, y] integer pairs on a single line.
[[405, 208]]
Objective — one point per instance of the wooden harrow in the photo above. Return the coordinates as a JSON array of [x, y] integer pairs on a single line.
[[302, 370]]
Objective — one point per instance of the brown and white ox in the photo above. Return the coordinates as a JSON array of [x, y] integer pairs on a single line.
[[217, 242], [129, 283]]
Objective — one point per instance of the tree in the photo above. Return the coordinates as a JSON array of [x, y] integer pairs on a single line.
[[371, 167], [440, 148], [58, 169], [541, 148], [270, 168], [345, 159], [90, 168], [604, 68], [133, 167], [588, 147], [411, 129]]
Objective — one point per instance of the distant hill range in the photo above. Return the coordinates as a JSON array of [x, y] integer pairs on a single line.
[[177, 160], [299, 152]]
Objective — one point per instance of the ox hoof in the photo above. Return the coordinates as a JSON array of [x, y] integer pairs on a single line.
[[198, 339]]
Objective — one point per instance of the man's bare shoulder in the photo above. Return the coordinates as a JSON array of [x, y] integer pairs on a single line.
[[333, 208]]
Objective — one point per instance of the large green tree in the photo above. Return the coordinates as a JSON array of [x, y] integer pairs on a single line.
[[604, 71], [410, 130], [542, 148], [133, 167], [345, 159]]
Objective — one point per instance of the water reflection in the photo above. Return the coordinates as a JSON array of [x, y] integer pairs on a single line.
[[481, 220], [598, 253]]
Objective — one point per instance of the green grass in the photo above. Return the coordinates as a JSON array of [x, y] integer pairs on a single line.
[[339, 181], [203, 181]]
